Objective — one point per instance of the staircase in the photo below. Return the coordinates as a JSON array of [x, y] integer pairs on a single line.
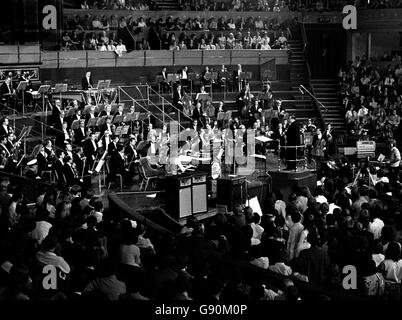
[[298, 76], [326, 92], [168, 5]]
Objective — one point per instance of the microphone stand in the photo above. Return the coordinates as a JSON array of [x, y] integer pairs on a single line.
[[303, 88]]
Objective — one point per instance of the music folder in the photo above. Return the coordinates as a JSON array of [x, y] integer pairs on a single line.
[[92, 122], [228, 115], [75, 125], [118, 119]]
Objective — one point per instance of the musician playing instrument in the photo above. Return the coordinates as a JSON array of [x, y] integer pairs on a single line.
[[107, 111], [108, 126], [117, 165], [51, 156], [319, 146], [327, 134], [5, 128], [112, 146], [7, 91]]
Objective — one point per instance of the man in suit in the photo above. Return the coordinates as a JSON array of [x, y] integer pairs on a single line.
[[6, 90], [86, 82], [112, 146], [70, 172], [131, 155], [91, 149], [164, 84], [292, 140], [177, 97], [80, 134], [58, 167], [236, 77], [56, 111], [117, 165]]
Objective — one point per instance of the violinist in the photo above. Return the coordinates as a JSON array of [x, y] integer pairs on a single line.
[[5, 152], [131, 155], [5, 127], [69, 150], [83, 169], [51, 156], [105, 141], [63, 136]]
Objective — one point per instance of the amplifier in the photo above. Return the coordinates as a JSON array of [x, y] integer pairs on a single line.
[[231, 191]]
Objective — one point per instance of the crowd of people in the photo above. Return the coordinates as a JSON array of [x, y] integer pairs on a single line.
[[237, 5], [100, 33], [372, 99]]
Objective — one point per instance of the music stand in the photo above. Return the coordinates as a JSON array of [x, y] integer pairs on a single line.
[[21, 87], [159, 79], [75, 125], [114, 108], [70, 113], [59, 88], [203, 97], [118, 130], [125, 129], [220, 116], [101, 121], [101, 84], [118, 119], [228, 115], [86, 110], [92, 122]]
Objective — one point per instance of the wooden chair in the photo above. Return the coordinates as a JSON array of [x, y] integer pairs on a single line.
[[145, 179]]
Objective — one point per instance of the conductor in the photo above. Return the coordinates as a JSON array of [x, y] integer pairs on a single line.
[[292, 141]]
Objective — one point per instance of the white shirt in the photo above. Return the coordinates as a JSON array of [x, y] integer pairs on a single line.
[[41, 231], [393, 270], [375, 228]]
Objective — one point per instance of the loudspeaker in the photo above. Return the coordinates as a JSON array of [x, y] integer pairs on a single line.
[[199, 193], [231, 191], [179, 196]]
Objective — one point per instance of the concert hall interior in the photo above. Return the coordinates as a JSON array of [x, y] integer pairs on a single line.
[[200, 150]]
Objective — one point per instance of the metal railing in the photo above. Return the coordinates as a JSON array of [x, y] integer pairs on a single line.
[[316, 103]]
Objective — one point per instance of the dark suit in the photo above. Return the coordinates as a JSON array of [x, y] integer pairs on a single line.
[[90, 151], [58, 167], [42, 163], [292, 139], [117, 166], [84, 83], [79, 136], [70, 174], [111, 148], [177, 99]]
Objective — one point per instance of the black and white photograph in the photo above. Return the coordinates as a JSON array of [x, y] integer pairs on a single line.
[[204, 157]]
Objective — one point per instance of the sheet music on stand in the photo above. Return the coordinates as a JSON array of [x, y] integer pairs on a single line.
[[22, 85], [221, 116], [125, 129], [43, 89], [75, 125], [118, 119], [101, 121], [70, 112], [203, 97], [92, 122], [118, 130], [228, 115], [60, 87]]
